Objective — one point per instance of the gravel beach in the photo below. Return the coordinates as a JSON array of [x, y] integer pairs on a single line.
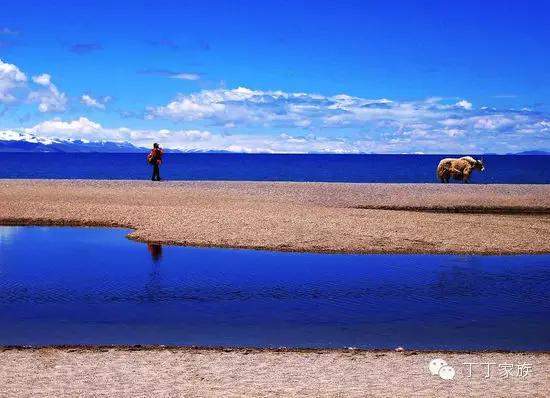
[[313, 217], [181, 372]]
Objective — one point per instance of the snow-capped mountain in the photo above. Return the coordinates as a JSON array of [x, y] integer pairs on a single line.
[[15, 141]]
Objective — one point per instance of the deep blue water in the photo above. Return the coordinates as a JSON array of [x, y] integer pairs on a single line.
[[93, 286], [330, 168]]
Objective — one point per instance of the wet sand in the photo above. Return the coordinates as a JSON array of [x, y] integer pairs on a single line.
[[318, 217], [124, 372]]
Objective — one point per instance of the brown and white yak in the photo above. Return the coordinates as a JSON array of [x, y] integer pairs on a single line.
[[459, 169]]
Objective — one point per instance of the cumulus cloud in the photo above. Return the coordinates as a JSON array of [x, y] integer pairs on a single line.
[[86, 129], [246, 120], [464, 104], [43, 79], [241, 105], [11, 78], [49, 98], [413, 138], [495, 122], [188, 109], [188, 139], [57, 128], [256, 107], [430, 125], [14, 86], [99, 103]]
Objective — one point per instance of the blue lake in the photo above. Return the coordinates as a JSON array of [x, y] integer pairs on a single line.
[[93, 286], [509, 169]]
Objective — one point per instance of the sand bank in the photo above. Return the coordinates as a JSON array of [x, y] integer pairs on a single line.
[[66, 372], [361, 218]]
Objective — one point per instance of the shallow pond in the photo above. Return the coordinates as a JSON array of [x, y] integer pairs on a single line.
[[93, 286]]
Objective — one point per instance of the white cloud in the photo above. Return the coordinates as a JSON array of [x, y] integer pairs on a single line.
[[241, 105], [43, 79], [57, 128], [454, 132], [190, 140], [275, 121], [405, 138], [13, 86], [185, 76], [432, 125], [84, 128], [49, 99], [464, 104], [277, 108], [492, 122], [188, 109], [11, 78], [99, 103], [451, 122]]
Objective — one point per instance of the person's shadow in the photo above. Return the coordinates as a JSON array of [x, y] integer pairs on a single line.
[[155, 250]]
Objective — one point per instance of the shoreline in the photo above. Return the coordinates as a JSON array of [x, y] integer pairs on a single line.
[[249, 349], [328, 251], [295, 217]]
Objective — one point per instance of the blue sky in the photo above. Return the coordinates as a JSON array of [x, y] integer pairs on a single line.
[[279, 76]]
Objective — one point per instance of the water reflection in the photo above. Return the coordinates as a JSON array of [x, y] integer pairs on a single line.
[[155, 250], [7, 233]]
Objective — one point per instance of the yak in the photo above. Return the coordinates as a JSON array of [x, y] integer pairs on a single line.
[[459, 169]]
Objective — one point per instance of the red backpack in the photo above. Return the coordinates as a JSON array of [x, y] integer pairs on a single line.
[[154, 156], [150, 157]]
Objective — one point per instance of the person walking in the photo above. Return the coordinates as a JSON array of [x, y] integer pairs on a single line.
[[155, 159]]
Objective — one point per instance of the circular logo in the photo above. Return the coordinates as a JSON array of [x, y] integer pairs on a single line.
[[446, 372], [435, 365]]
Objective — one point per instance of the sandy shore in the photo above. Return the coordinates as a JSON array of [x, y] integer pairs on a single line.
[[375, 218], [124, 372]]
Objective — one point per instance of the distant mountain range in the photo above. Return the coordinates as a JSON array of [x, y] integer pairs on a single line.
[[68, 146], [25, 142], [532, 153]]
